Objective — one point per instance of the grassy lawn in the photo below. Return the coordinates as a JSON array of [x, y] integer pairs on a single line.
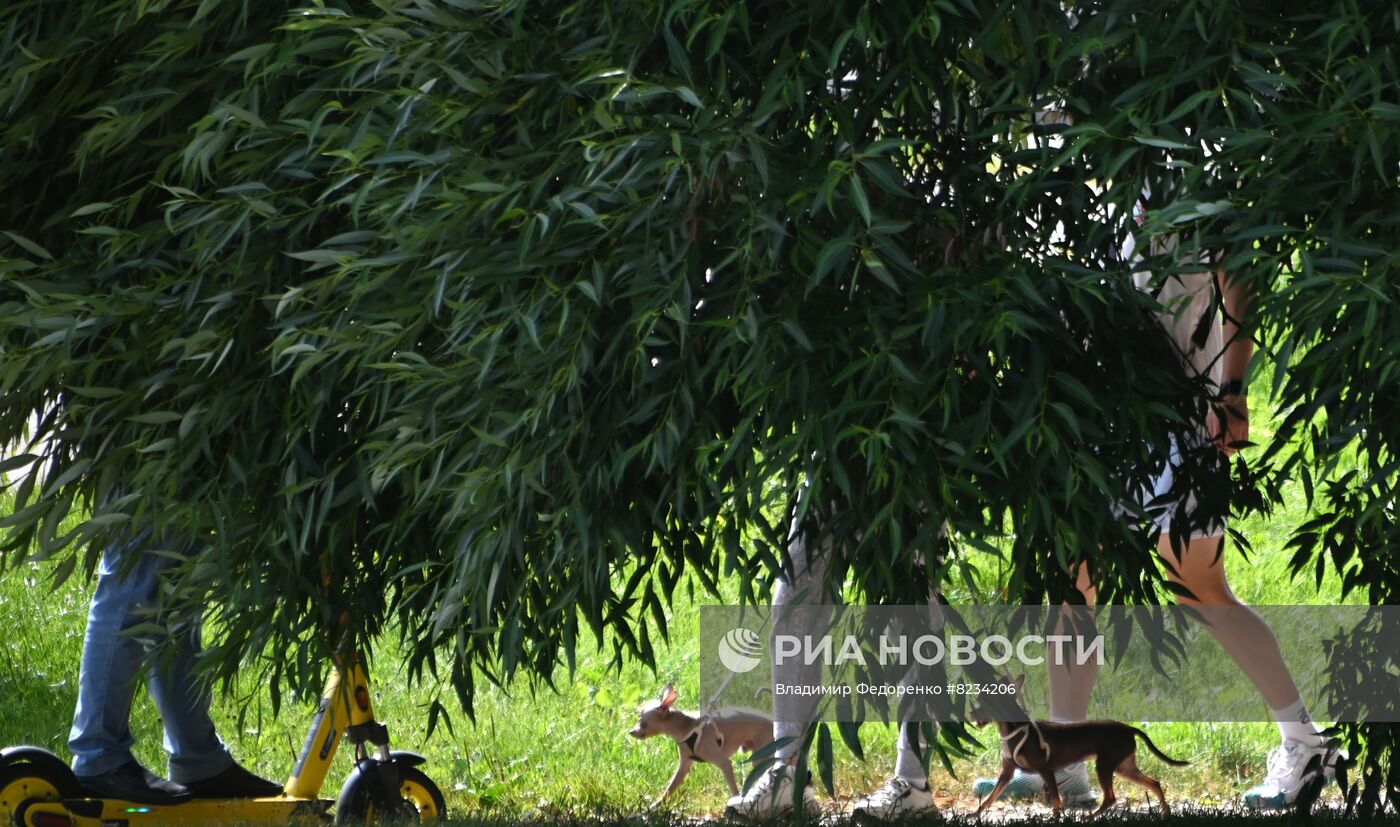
[[568, 754], [546, 753]]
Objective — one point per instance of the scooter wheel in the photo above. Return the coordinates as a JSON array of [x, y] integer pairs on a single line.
[[24, 785], [420, 801]]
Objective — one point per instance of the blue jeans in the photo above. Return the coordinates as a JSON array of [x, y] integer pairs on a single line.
[[112, 662]]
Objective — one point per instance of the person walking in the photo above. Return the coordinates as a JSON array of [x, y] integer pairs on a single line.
[[1203, 312]]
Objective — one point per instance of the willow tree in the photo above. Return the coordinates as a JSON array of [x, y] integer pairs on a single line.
[[491, 322]]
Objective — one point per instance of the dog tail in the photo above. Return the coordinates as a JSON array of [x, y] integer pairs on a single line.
[[1157, 752]]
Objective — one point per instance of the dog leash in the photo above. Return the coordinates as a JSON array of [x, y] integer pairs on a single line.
[[709, 713]]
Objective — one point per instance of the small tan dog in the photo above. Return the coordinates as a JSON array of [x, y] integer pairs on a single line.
[[710, 739]]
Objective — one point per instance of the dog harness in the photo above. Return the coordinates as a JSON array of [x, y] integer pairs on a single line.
[[694, 739], [1024, 732]]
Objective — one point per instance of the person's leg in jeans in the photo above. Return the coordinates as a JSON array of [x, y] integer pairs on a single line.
[[196, 751], [112, 662], [100, 739]]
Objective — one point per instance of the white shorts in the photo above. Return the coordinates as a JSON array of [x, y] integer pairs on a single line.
[[1164, 507]]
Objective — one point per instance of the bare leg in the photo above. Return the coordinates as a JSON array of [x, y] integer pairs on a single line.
[[1071, 685], [1246, 637]]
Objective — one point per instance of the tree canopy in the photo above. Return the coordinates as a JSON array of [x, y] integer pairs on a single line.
[[491, 322]]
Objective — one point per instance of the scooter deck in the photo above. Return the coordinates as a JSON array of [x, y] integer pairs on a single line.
[[107, 812]]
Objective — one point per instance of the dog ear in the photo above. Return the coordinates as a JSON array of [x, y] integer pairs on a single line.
[[668, 696], [1019, 683]]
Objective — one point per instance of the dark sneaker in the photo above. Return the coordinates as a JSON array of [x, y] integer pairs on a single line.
[[133, 782], [234, 782]]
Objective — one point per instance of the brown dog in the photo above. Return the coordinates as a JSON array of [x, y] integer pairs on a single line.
[[711, 739], [1044, 746]]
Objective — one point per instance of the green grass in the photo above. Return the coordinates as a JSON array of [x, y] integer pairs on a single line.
[[546, 753], [568, 753]]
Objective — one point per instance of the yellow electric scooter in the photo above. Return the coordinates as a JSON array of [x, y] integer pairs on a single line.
[[37, 789]]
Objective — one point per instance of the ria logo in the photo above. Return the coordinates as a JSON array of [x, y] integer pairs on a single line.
[[741, 650]]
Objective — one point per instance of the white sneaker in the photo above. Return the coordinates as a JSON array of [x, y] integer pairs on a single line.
[[1287, 764], [1073, 781], [770, 797], [897, 800]]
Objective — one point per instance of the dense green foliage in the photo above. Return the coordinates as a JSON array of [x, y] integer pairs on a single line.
[[492, 321]]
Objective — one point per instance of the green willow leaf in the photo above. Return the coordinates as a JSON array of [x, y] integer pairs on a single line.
[[525, 306]]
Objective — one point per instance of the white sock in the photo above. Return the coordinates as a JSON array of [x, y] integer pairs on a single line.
[[1295, 724]]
